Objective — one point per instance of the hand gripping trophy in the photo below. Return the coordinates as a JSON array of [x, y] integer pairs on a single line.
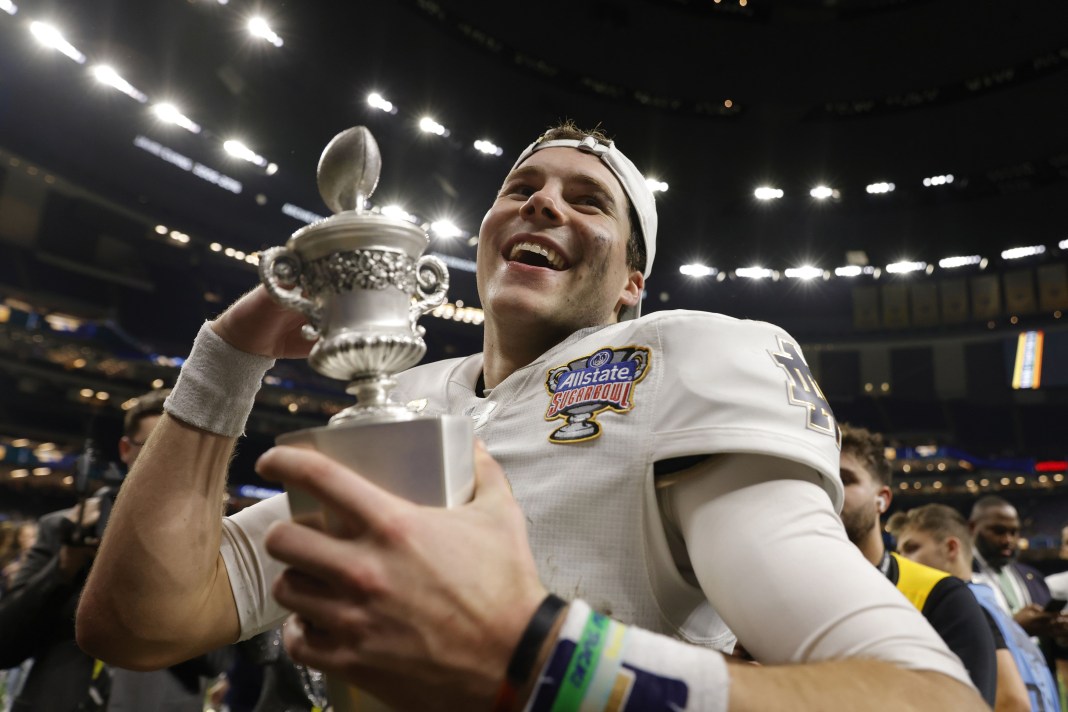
[[362, 281]]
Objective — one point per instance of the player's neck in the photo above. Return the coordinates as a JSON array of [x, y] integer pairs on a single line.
[[506, 348]]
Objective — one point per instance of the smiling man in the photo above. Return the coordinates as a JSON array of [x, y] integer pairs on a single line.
[[670, 478]]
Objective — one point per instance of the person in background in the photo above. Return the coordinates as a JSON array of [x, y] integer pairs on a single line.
[[944, 601], [1058, 588], [37, 618], [937, 536]]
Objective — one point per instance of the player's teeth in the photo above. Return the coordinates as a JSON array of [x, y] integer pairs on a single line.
[[548, 253]]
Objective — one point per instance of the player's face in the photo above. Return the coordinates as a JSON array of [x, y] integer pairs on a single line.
[[924, 549], [552, 248], [860, 512], [996, 534]]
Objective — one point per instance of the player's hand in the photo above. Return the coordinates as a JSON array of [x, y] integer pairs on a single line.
[[419, 606], [257, 324]]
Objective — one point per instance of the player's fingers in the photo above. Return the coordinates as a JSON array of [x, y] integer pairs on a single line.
[[330, 482], [323, 605], [491, 485], [335, 562]]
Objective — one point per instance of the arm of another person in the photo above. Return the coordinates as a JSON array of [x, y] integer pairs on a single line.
[[159, 592], [1012, 692], [772, 557], [423, 607]]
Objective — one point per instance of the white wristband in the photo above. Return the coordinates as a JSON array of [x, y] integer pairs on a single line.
[[599, 663], [217, 385]]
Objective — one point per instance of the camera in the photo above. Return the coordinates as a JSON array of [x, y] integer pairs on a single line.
[[89, 467]]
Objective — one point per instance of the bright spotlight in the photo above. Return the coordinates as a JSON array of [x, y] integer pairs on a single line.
[[1016, 253], [935, 181], [961, 261], [488, 147], [259, 28], [106, 75], [240, 150], [806, 272], [9, 7], [850, 271], [170, 114], [656, 186], [754, 272], [375, 100], [905, 266], [767, 193], [396, 211], [697, 270], [822, 192], [50, 36], [445, 229], [428, 125], [880, 188]]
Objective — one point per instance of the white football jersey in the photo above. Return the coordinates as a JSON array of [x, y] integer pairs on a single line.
[[578, 432]]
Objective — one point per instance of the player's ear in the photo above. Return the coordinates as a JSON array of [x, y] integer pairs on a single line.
[[631, 293]]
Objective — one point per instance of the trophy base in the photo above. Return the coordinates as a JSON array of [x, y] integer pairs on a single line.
[[427, 460]]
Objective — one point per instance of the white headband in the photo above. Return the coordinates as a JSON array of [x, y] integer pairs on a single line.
[[634, 185]]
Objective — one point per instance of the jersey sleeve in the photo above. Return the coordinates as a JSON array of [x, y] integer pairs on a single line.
[[732, 386], [251, 569], [774, 561]]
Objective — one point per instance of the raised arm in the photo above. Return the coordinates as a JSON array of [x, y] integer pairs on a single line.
[[159, 592]]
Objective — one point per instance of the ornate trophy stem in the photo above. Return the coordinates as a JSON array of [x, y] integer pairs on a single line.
[[372, 402]]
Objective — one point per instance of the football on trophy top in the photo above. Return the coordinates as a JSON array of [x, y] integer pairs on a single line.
[[361, 279]]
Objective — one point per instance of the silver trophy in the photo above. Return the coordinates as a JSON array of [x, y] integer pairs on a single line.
[[362, 281]]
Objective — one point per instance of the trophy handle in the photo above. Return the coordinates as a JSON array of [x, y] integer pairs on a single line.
[[278, 266], [432, 283]]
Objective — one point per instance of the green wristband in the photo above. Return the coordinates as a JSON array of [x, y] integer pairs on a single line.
[[583, 664]]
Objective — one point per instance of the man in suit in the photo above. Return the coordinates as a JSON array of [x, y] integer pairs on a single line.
[[1020, 589]]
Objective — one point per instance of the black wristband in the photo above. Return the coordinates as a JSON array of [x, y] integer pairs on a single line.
[[526, 652]]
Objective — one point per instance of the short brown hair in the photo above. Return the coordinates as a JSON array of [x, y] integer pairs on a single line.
[[150, 403], [938, 520], [870, 449], [636, 242]]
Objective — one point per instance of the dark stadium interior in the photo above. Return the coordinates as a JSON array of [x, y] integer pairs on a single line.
[[713, 98]]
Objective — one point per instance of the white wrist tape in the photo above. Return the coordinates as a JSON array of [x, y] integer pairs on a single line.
[[600, 664], [217, 385]]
